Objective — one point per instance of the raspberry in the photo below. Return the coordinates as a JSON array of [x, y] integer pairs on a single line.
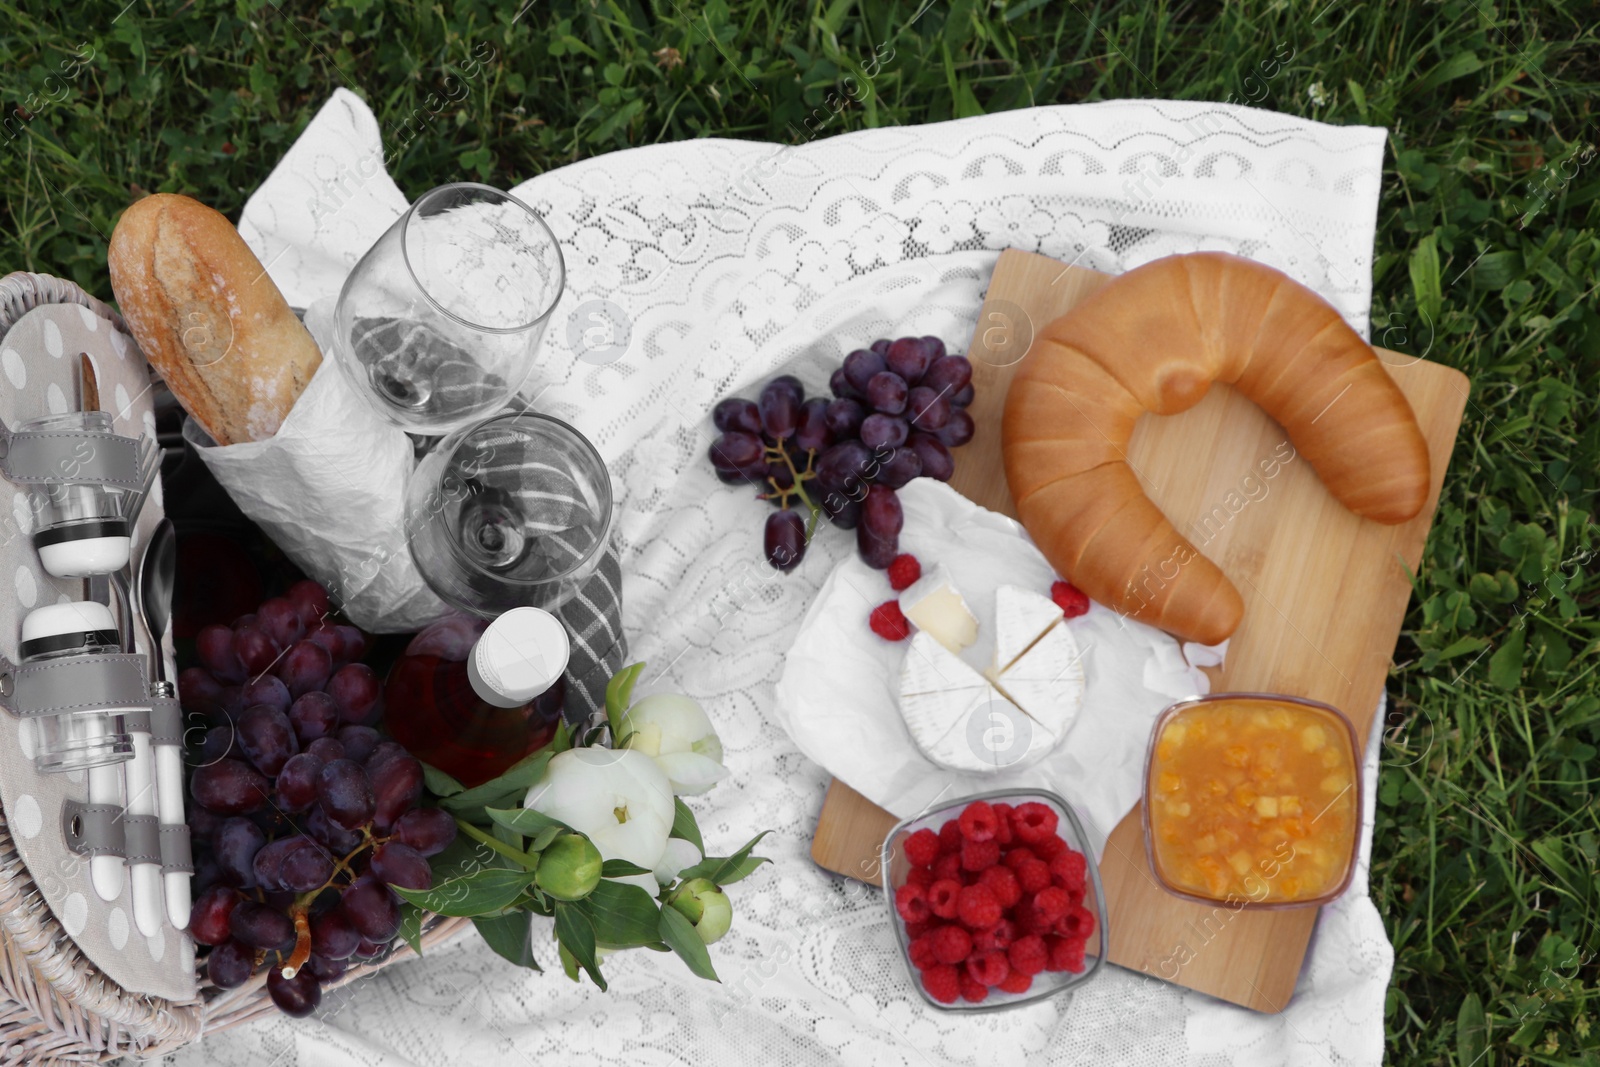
[[972, 990], [1078, 922], [942, 896], [978, 822], [1066, 954], [978, 855], [994, 938], [1016, 857], [950, 836], [1069, 599], [920, 952], [942, 983], [1069, 870], [1050, 848], [1027, 954], [1002, 818], [889, 622], [990, 968], [912, 903], [1051, 903], [1033, 876], [948, 867], [1028, 919], [922, 847], [922, 876], [1002, 882], [951, 944], [1033, 822], [1016, 982], [916, 930], [978, 908], [904, 570]]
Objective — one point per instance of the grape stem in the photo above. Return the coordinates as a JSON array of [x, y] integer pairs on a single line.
[[799, 487]]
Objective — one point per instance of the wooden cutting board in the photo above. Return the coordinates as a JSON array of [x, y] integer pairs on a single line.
[[1324, 591]]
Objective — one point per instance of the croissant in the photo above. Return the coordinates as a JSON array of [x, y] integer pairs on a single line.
[[1154, 339]]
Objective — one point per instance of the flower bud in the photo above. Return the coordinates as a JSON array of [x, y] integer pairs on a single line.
[[704, 904], [569, 868]]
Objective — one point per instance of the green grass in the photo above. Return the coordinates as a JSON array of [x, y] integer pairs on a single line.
[[1485, 864]]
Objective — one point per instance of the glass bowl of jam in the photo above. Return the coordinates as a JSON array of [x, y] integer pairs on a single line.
[[1253, 800]]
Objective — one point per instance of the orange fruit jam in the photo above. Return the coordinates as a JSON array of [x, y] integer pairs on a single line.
[[1253, 800]]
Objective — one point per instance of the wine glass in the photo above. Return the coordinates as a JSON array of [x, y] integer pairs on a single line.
[[439, 323], [511, 511]]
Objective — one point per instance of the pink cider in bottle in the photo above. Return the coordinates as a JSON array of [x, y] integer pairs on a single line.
[[472, 698]]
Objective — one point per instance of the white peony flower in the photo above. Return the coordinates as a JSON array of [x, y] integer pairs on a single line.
[[676, 732], [620, 799]]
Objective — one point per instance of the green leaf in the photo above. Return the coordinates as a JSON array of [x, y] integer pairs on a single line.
[[483, 892], [561, 742], [624, 916], [1505, 666], [621, 869], [411, 918], [679, 935], [576, 934], [684, 825], [510, 936], [525, 821], [1457, 66], [542, 839], [439, 783], [1425, 282], [618, 120], [725, 870], [1472, 1031], [619, 697], [495, 792]]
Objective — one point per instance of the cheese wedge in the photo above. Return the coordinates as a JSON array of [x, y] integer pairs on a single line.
[[934, 606], [1021, 617], [938, 693], [1047, 681]]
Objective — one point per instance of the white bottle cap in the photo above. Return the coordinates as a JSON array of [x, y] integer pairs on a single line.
[[519, 656], [85, 557], [53, 620]]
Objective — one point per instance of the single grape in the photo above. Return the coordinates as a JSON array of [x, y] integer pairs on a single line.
[[859, 367], [396, 788], [881, 346], [310, 601], [209, 918], [308, 866], [267, 689], [267, 738], [936, 460], [382, 753], [372, 909], [738, 450], [928, 410], [281, 621], [842, 511], [337, 838], [354, 687], [326, 969], [780, 407], [262, 926], [243, 620], [215, 647], [332, 936], [230, 965], [370, 950], [313, 715], [844, 464], [813, 433], [934, 346], [198, 692], [728, 474], [451, 639], [296, 997], [203, 825], [845, 417], [232, 702], [909, 358], [948, 375], [963, 398], [217, 745], [327, 749], [326, 634], [737, 413], [881, 511], [398, 864], [886, 392], [305, 667], [785, 539], [237, 843], [428, 830], [297, 782], [345, 793], [256, 649], [881, 431], [358, 742], [876, 551], [958, 431], [356, 641], [228, 787], [840, 385], [268, 868], [901, 468]]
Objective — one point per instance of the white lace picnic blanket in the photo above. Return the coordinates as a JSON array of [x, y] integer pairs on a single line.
[[727, 260]]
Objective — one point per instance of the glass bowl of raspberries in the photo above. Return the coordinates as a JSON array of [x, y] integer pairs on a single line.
[[994, 900]]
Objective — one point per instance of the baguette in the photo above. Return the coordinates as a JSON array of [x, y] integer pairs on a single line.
[[1154, 340], [208, 317]]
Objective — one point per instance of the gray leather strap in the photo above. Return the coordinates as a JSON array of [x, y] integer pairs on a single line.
[[93, 829], [34, 457], [136, 721], [75, 683], [166, 721], [175, 854], [143, 836]]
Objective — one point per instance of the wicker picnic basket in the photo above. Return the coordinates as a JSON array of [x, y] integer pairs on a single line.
[[55, 1005]]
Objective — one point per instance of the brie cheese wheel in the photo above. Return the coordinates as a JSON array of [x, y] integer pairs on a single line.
[[934, 606]]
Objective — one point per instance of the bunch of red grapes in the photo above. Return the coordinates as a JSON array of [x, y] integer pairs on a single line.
[[304, 817], [898, 408]]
